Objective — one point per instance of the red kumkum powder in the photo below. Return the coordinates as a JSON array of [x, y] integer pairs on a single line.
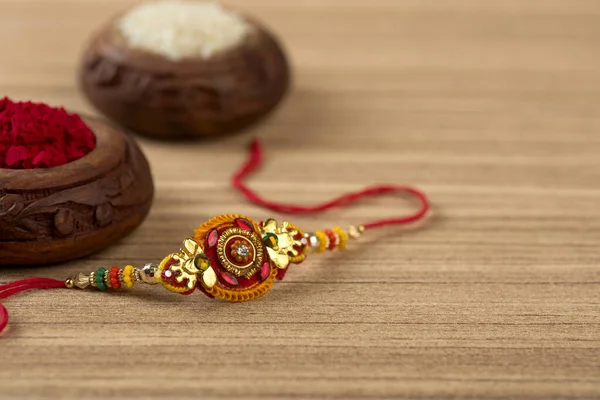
[[34, 135]]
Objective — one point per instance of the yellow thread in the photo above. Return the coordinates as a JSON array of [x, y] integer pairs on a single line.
[[175, 289], [323, 239], [127, 276], [219, 222], [298, 259], [343, 237], [238, 295]]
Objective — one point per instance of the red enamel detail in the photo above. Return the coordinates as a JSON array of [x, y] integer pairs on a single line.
[[300, 248], [265, 270], [166, 278], [170, 263], [332, 239], [172, 280], [212, 238], [243, 282], [244, 224], [281, 273], [203, 290], [229, 279]]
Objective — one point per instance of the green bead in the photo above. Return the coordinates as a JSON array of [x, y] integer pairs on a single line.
[[271, 240], [100, 282], [202, 262]]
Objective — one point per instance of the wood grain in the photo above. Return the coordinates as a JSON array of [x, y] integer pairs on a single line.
[[491, 107]]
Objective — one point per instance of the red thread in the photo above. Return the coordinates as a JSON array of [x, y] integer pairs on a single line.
[[36, 135], [254, 161], [13, 288], [3, 317]]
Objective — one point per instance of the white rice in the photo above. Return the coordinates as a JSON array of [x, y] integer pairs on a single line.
[[180, 29]]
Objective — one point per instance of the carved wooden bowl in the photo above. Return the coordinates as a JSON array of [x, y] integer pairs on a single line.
[[62, 213], [185, 99]]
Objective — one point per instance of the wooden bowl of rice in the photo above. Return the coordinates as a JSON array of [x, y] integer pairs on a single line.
[[176, 69]]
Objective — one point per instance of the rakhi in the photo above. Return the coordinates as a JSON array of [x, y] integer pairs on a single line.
[[232, 257]]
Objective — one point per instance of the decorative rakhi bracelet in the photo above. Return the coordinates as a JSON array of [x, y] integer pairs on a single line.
[[232, 257]]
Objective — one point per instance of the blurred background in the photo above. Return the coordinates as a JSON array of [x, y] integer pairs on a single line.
[[491, 107]]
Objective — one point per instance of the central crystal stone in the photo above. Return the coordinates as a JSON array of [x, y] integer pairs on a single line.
[[243, 250]]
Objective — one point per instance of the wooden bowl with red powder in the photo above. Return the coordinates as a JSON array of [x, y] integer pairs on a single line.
[[69, 186]]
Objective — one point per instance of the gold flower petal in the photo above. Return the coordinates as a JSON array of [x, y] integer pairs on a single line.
[[209, 278]]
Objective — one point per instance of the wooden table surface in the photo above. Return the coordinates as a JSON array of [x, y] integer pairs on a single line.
[[491, 107]]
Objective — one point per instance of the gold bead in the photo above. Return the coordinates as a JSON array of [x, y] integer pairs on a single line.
[[107, 279], [81, 281], [69, 283], [356, 232], [311, 242], [148, 274]]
